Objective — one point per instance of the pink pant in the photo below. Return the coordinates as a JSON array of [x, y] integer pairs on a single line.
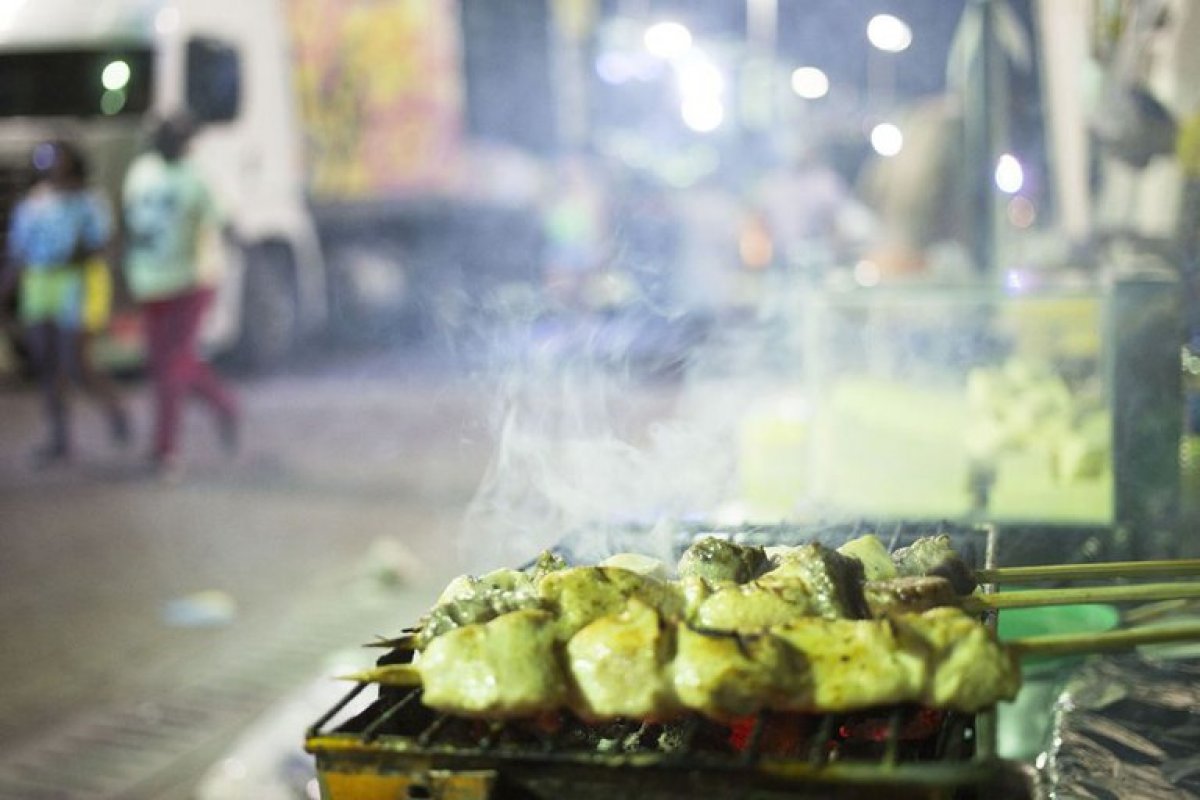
[[172, 328]]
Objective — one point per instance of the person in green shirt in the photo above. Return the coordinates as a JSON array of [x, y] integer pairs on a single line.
[[169, 212]]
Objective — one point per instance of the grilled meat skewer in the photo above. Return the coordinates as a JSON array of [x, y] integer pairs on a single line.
[[723, 586], [637, 664]]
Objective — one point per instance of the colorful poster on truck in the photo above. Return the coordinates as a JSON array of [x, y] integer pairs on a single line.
[[380, 91]]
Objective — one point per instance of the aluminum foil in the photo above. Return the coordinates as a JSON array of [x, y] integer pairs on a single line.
[[1126, 726]]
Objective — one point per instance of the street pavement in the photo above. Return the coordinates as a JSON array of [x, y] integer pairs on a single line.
[[146, 623]]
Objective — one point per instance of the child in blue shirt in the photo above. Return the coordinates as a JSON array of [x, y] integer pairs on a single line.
[[56, 235]]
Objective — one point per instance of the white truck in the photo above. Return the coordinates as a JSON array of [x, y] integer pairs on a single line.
[[330, 132]]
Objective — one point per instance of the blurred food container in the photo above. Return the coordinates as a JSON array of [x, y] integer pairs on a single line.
[[1023, 725], [943, 401]]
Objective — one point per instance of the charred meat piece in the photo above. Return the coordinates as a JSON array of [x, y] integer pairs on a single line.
[[752, 606], [467, 586], [725, 675], [908, 595], [874, 555], [968, 668], [507, 667], [933, 555], [580, 595], [833, 581], [721, 560], [619, 665], [853, 664], [474, 600], [467, 600]]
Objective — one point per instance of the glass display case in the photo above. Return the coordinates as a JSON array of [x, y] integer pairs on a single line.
[[954, 401]]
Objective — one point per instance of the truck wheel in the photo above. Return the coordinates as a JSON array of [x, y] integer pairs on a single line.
[[370, 293], [270, 315]]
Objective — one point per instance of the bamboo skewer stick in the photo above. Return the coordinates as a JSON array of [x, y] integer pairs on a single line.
[[406, 642], [1077, 643], [1076, 572], [390, 675], [1082, 594], [1152, 611]]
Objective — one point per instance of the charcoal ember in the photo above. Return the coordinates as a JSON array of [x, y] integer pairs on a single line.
[[917, 724], [784, 735]]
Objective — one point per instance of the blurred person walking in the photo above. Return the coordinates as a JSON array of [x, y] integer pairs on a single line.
[[56, 245], [171, 219]]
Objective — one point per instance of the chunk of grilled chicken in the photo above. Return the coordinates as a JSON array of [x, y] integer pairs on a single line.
[[480, 603], [580, 595], [852, 664], [717, 559], [749, 607], [724, 675], [468, 599], [833, 581], [876, 560], [620, 665], [934, 555], [969, 669], [908, 595], [507, 667]]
